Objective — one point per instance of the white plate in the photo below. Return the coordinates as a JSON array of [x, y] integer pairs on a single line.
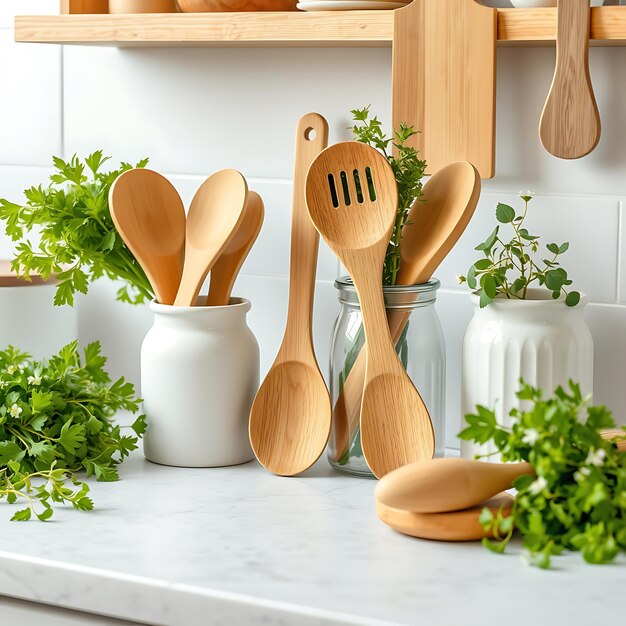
[[348, 5]]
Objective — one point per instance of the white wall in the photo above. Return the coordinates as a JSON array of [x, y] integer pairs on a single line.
[[194, 111]]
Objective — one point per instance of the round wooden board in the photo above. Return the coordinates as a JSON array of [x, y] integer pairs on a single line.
[[455, 526]]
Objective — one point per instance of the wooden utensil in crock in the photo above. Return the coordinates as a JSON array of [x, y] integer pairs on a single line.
[[227, 6]]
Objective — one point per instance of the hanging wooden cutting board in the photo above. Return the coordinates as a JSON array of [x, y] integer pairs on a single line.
[[444, 84]]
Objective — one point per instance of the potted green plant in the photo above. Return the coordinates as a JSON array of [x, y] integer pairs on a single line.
[[527, 322]]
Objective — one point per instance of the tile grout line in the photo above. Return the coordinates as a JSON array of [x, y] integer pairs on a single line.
[[62, 100], [620, 243]]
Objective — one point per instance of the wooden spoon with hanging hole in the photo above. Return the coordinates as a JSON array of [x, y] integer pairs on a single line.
[[433, 227], [150, 217], [225, 271], [570, 122], [214, 217], [291, 415], [352, 198]]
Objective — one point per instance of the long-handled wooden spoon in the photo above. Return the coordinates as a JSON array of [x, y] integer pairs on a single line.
[[453, 484], [150, 217], [226, 268], [352, 198], [433, 228], [291, 415], [570, 122], [214, 216]]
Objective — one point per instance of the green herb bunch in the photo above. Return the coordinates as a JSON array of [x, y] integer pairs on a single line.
[[79, 242], [56, 420], [489, 276], [577, 500], [408, 168]]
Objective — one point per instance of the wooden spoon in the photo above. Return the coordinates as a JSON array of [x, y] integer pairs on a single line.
[[150, 217], [226, 268], [291, 415], [570, 122], [352, 199], [434, 226], [214, 216]]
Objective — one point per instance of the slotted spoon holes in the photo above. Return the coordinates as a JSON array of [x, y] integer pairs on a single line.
[[347, 189]]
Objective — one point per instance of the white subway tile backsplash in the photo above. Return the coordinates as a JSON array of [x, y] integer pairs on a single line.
[[271, 252], [30, 107], [589, 224], [199, 110]]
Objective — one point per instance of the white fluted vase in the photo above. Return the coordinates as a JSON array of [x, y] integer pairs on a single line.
[[539, 339]]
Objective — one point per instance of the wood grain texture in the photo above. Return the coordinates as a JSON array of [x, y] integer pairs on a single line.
[[570, 122], [149, 216], [433, 227], [444, 61], [226, 269], [461, 525], [215, 215], [291, 416], [518, 27], [395, 425]]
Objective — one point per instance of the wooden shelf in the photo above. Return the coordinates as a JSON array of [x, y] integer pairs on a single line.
[[529, 27]]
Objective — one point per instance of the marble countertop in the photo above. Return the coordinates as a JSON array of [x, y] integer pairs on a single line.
[[239, 546]]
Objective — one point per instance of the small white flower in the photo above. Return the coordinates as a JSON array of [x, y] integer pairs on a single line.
[[537, 486], [3, 384], [15, 410], [596, 457], [12, 369], [531, 436], [34, 380], [581, 474]]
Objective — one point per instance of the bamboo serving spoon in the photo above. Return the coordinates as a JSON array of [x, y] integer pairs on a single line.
[[453, 484], [352, 198], [433, 228], [214, 216], [291, 415], [226, 269], [150, 217]]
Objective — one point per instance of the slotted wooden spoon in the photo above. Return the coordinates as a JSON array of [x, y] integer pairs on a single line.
[[224, 272], [291, 415], [214, 216], [433, 228], [352, 199], [150, 217]]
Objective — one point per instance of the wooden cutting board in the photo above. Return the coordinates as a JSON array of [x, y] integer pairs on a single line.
[[444, 84]]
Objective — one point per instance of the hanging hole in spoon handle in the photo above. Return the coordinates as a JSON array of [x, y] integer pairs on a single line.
[[570, 122]]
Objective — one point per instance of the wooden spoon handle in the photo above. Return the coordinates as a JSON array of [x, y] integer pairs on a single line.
[[311, 139], [570, 122]]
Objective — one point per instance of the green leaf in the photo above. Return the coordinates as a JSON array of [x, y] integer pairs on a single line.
[[22, 516], [488, 285], [505, 213], [497, 547], [572, 298], [10, 451], [72, 436]]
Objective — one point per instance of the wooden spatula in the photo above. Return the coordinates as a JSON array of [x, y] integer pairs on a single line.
[[352, 198], [570, 122]]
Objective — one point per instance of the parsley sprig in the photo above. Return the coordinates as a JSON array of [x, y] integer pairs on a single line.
[[55, 421], [78, 240], [577, 500]]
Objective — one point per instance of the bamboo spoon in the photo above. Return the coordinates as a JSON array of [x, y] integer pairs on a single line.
[[226, 268], [214, 216], [352, 199], [150, 217], [570, 122], [443, 485], [433, 228], [291, 415]]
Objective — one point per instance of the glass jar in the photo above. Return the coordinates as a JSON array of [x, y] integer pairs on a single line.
[[420, 346]]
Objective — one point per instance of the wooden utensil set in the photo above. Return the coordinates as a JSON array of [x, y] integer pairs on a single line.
[[177, 252]]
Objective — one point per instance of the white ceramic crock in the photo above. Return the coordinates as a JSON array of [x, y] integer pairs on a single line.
[[28, 318], [541, 340], [199, 376]]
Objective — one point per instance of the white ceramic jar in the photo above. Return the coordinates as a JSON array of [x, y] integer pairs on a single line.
[[541, 340], [199, 376], [28, 318]]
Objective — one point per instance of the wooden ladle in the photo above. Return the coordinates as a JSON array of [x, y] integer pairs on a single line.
[[226, 268], [433, 227], [150, 217], [291, 415], [214, 217], [352, 198]]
